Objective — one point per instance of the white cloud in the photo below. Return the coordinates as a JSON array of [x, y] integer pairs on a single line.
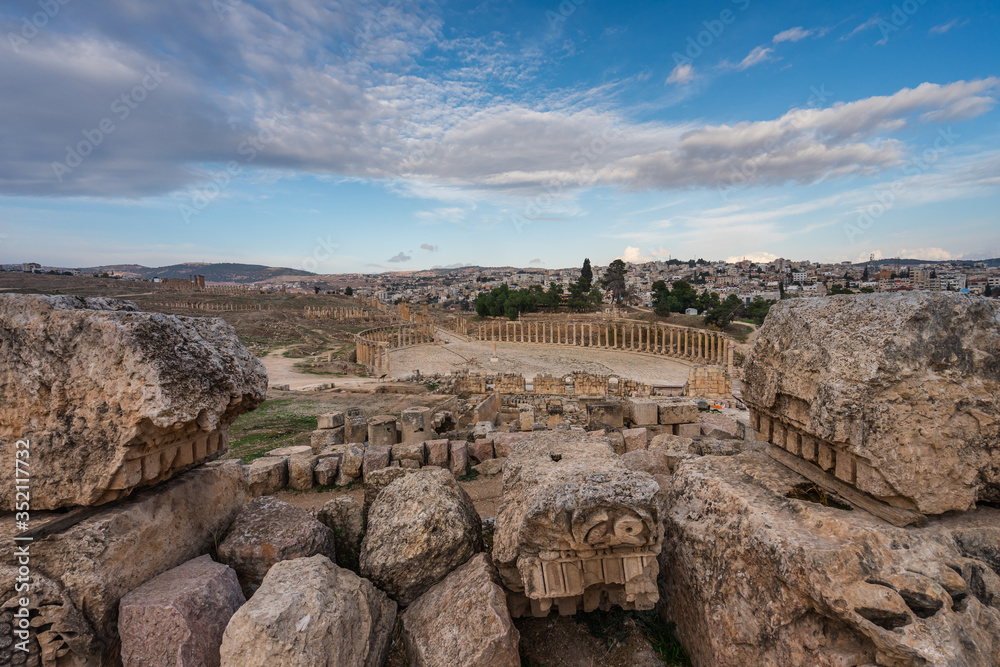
[[759, 55], [945, 27], [755, 257], [429, 247], [632, 256], [932, 254], [682, 74], [537, 260], [873, 21], [400, 257], [791, 35]]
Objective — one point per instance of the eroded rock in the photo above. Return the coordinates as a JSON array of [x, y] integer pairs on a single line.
[[113, 399]]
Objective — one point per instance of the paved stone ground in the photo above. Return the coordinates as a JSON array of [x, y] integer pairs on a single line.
[[530, 360]]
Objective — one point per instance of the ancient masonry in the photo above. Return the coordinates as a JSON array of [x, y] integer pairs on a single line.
[[699, 345], [373, 345]]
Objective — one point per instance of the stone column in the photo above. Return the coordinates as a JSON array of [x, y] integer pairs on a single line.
[[616, 336]]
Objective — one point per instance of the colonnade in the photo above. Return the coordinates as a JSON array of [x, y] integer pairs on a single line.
[[373, 345], [711, 347]]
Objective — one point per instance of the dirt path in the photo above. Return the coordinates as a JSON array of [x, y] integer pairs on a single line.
[[281, 370]]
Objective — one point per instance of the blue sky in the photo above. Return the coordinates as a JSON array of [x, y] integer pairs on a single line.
[[370, 136]]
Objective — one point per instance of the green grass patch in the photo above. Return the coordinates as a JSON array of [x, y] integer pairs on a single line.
[[276, 423]]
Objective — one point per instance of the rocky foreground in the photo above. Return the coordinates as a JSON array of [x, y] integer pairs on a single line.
[[755, 563]]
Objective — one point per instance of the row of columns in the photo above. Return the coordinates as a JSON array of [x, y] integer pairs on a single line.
[[373, 345], [709, 346]]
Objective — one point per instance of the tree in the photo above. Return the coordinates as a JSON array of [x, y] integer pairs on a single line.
[[722, 313], [837, 289], [586, 276], [684, 296], [348, 291], [315, 289], [988, 291], [781, 289], [757, 309], [661, 299], [614, 281], [553, 297], [503, 301]]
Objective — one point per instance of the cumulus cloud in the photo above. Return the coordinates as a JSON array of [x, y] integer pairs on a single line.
[[930, 254], [429, 247], [681, 74], [400, 257], [633, 256], [537, 260], [755, 257], [791, 35], [759, 55]]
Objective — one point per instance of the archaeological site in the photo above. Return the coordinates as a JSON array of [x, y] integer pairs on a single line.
[[210, 479]]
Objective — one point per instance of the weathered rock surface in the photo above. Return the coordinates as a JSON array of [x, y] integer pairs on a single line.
[[300, 472], [267, 475], [379, 479], [345, 517], [178, 617], [490, 467], [752, 577], [458, 457], [420, 528], [576, 528], [267, 531], [81, 572], [903, 389], [462, 621], [113, 399], [309, 612]]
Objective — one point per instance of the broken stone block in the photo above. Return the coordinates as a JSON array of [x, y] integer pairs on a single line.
[[606, 412], [178, 617], [321, 438], [355, 427], [300, 472], [872, 594], [654, 462], [415, 425], [504, 443], [409, 464], [382, 430], [481, 450], [459, 458], [333, 419], [635, 439], [113, 399], [267, 531], [437, 453], [311, 612], [325, 472], [292, 450], [687, 430], [576, 528], [345, 517], [351, 464], [483, 429], [411, 451], [81, 572], [420, 528], [902, 384], [526, 417], [490, 467], [376, 457], [267, 475], [678, 412], [463, 620], [643, 411]]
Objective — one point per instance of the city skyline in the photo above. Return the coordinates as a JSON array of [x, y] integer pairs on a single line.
[[390, 136]]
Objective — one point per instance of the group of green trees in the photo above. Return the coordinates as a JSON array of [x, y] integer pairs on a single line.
[[502, 300], [681, 296]]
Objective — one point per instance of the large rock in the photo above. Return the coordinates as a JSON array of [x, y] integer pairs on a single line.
[[178, 617], [81, 571], [894, 393], [420, 528], [576, 528], [753, 577], [462, 621], [309, 612], [111, 398], [267, 475], [379, 479], [267, 531]]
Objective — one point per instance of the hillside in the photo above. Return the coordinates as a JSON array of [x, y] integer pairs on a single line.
[[215, 273]]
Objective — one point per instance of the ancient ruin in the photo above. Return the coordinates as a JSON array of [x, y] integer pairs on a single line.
[[576, 528]]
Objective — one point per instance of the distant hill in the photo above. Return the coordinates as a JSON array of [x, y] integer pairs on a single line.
[[215, 273]]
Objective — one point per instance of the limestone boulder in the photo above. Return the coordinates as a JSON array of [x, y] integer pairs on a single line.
[[376, 457], [654, 462], [178, 617], [804, 583], [437, 453], [379, 479], [420, 528], [575, 527], [300, 472], [900, 392], [267, 475], [83, 569], [458, 457], [267, 531], [504, 443], [309, 612], [113, 399], [481, 450], [462, 621], [325, 472]]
